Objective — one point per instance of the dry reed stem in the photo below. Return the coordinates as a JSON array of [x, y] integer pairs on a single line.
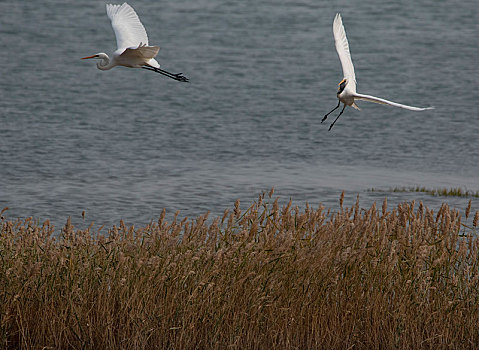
[[264, 277]]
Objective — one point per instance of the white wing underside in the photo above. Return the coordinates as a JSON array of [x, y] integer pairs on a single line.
[[144, 52], [386, 102], [128, 29], [342, 47], [138, 57]]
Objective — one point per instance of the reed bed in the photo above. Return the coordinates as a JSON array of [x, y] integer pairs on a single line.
[[267, 277]]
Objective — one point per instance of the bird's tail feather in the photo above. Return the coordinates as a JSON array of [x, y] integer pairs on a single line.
[[355, 106]]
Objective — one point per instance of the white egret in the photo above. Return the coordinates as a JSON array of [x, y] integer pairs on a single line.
[[132, 41], [347, 87]]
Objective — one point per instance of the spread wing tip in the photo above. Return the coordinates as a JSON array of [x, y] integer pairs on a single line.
[[338, 19], [113, 9]]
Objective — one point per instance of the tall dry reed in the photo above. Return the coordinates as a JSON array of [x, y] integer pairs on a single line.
[[268, 277]]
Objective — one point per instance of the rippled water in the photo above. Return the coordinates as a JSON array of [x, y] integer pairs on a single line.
[[128, 143]]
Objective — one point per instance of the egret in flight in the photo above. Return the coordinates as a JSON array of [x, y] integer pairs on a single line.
[[132, 41], [347, 87]]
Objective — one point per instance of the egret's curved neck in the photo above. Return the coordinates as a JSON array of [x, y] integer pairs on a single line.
[[105, 62]]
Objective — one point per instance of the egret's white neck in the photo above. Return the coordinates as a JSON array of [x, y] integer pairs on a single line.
[[105, 62]]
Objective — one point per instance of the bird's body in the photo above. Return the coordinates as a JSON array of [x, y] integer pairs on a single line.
[[347, 87], [132, 42]]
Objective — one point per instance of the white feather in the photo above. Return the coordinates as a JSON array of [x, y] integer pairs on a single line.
[[382, 101], [342, 47], [138, 57], [127, 26], [144, 52]]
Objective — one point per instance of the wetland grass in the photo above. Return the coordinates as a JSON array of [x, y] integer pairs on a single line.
[[445, 192], [267, 277]]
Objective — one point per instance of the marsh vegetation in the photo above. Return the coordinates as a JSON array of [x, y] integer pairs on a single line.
[[265, 276], [445, 192]]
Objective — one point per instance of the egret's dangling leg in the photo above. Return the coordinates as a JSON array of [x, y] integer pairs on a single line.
[[326, 116], [177, 76], [337, 117]]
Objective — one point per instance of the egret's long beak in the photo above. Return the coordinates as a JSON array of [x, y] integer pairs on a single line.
[[342, 81], [85, 58]]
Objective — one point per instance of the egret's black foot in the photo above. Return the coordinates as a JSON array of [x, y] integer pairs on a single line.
[[181, 77]]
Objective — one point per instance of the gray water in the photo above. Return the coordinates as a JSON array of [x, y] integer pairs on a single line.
[[126, 143]]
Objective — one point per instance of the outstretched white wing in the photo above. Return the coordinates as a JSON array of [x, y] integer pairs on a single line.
[[128, 29], [342, 47], [386, 102]]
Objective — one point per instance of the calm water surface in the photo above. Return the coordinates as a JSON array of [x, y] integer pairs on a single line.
[[127, 143]]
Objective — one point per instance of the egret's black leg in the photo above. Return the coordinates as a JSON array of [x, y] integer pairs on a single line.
[[322, 120], [154, 70], [177, 76], [337, 117]]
